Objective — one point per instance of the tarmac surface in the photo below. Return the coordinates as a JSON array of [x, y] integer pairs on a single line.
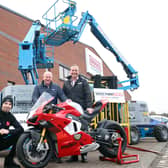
[[157, 157], [162, 160]]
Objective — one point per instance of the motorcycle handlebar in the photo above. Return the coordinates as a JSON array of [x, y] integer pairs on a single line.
[[52, 107], [57, 108]]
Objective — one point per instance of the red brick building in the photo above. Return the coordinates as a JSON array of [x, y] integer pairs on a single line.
[[13, 29]]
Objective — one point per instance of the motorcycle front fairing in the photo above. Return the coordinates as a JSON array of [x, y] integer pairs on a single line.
[[72, 139], [67, 129]]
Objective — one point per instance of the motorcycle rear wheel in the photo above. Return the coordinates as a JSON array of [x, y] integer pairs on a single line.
[[114, 129], [27, 154]]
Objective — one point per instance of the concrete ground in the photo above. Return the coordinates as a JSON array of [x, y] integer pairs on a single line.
[[161, 161], [146, 159]]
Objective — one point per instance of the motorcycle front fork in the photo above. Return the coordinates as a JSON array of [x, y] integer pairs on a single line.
[[42, 140], [42, 145]]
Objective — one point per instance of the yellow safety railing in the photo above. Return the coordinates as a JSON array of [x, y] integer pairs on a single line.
[[117, 112]]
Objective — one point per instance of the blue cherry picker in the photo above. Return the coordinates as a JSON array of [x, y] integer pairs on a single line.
[[32, 51], [67, 31]]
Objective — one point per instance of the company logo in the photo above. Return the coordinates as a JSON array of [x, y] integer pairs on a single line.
[[7, 123], [94, 64]]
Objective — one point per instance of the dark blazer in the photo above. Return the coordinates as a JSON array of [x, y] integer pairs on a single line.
[[79, 93]]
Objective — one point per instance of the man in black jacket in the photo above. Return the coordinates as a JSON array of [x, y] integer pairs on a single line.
[[77, 89], [9, 137]]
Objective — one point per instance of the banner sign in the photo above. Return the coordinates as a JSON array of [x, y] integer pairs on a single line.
[[94, 64], [112, 95]]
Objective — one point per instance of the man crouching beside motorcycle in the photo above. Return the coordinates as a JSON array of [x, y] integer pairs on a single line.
[[9, 137]]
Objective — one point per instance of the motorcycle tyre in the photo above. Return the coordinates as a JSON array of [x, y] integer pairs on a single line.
[[21, 157], [104, 149]]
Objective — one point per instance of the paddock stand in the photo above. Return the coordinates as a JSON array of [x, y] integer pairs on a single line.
[[120, 157]]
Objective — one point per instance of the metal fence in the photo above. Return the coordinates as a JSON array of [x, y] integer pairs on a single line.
[[117, 112]]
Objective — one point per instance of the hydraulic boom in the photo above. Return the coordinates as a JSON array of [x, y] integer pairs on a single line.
[[32, 51], [66, 31]]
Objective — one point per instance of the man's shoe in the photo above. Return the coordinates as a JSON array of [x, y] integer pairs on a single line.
[[58, 160], [11, 165], [54, 158], [84, 158], [73, 158]]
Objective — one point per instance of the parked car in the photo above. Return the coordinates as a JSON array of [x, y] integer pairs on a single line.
[[159, 118]]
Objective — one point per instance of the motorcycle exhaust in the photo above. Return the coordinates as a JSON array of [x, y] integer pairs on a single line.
[[89, 148]]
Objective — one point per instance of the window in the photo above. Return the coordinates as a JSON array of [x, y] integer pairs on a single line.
[[10, 83], [132, 108], [140, 107], [63, 72], [143, 108]]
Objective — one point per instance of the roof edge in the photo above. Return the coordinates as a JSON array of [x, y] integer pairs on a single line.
[[16, 13]]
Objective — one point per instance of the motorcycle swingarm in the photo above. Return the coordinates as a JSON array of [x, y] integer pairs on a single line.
[[102, 136]]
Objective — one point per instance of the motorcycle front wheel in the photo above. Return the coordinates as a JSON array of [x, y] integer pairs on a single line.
[[115, 131], [27, 154]]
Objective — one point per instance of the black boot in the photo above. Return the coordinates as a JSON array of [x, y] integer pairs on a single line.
[[73, 158], [58, 160], [84, 158], [10, 163], [9, 160]]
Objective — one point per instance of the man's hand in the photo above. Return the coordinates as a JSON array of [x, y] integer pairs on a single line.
[[68, 100], [4, 131], [90, 110]]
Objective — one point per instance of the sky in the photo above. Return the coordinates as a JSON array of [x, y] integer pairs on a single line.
[[137, 28]]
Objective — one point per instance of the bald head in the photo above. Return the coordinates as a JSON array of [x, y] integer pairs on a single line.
[[47, 77]]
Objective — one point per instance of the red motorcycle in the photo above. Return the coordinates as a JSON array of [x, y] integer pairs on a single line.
[[64, 130]]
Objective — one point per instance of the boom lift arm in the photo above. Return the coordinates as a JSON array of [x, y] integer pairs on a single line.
[[66, 31], [32, 54], [104, 40]]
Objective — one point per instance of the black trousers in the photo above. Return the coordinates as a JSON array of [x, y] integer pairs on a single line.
[[6, 142]]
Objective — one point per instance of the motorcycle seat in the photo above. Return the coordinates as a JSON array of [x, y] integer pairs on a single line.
[[97, 106]]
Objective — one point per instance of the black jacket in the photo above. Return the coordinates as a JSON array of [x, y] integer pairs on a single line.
[[53, 89], [79, 93], [6, 120]]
